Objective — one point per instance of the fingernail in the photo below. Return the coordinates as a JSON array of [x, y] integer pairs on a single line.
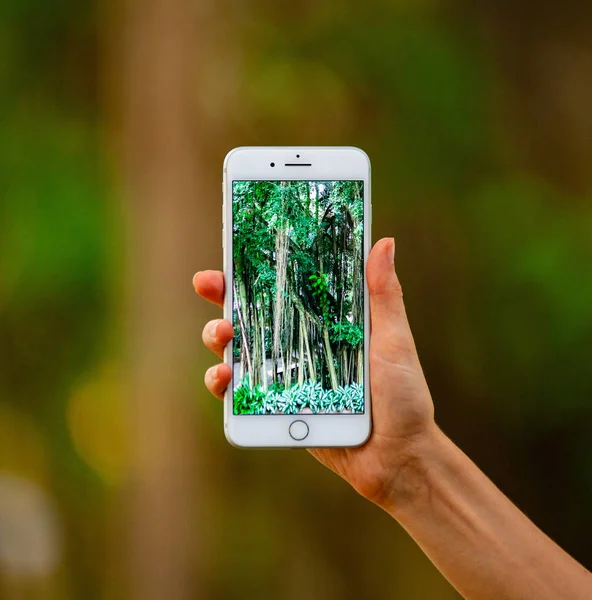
[[195, 278], [391, 251], [214, 327], [212, 372]]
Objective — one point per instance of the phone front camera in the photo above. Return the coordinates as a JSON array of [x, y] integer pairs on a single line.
[[272, 165]]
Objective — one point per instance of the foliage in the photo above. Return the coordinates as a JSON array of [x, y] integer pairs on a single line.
[[310, 396], [248, 399], [320, 290], [349, 333]]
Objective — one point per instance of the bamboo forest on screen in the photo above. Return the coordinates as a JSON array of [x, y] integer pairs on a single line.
[[298, 297]]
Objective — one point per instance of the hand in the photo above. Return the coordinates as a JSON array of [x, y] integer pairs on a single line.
[[402, 408]]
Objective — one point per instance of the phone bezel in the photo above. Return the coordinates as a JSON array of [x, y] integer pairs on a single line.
[[327, 164]]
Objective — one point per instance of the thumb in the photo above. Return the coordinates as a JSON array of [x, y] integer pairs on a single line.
[[387, 311]]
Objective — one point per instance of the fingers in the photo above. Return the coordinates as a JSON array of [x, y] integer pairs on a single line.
[[217, 379], [210, 285], [216, 335], [387, 311]]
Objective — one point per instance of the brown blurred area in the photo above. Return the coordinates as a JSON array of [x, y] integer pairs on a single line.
[[115, 477]]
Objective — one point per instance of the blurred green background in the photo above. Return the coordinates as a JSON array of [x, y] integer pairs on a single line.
[[115, 477]]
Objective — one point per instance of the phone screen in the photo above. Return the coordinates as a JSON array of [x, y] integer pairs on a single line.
[[298, 297]]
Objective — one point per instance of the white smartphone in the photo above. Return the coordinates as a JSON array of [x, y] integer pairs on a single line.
[[296, 236]]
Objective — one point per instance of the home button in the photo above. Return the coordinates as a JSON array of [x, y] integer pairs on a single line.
[[298, 430]]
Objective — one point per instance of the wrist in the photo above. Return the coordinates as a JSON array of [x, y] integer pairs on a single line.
[[409, 480]]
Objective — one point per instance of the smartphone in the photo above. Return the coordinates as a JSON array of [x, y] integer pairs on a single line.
[[296, 236]]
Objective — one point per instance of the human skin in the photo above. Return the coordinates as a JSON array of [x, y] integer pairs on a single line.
[[475, 536]]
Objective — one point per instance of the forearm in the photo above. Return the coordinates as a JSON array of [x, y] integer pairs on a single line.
[[477, 538]]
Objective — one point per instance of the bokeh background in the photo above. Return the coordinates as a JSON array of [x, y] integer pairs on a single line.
[[115, 477]]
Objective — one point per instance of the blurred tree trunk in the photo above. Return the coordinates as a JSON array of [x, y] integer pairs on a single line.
[[159, 47]]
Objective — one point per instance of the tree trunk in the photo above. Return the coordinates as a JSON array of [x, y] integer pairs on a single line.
[[256, 344], [329, 357], [301, 357], [263, 357], [281, 247], [247, 320], [274, 352], [245, 349], [311, 366], [289, 350], [361, 364], [154, 91]]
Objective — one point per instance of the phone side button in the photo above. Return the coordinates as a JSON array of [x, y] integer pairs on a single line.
[[298, 430]]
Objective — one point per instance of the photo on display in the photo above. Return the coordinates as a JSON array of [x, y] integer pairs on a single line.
[[298, 297]]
